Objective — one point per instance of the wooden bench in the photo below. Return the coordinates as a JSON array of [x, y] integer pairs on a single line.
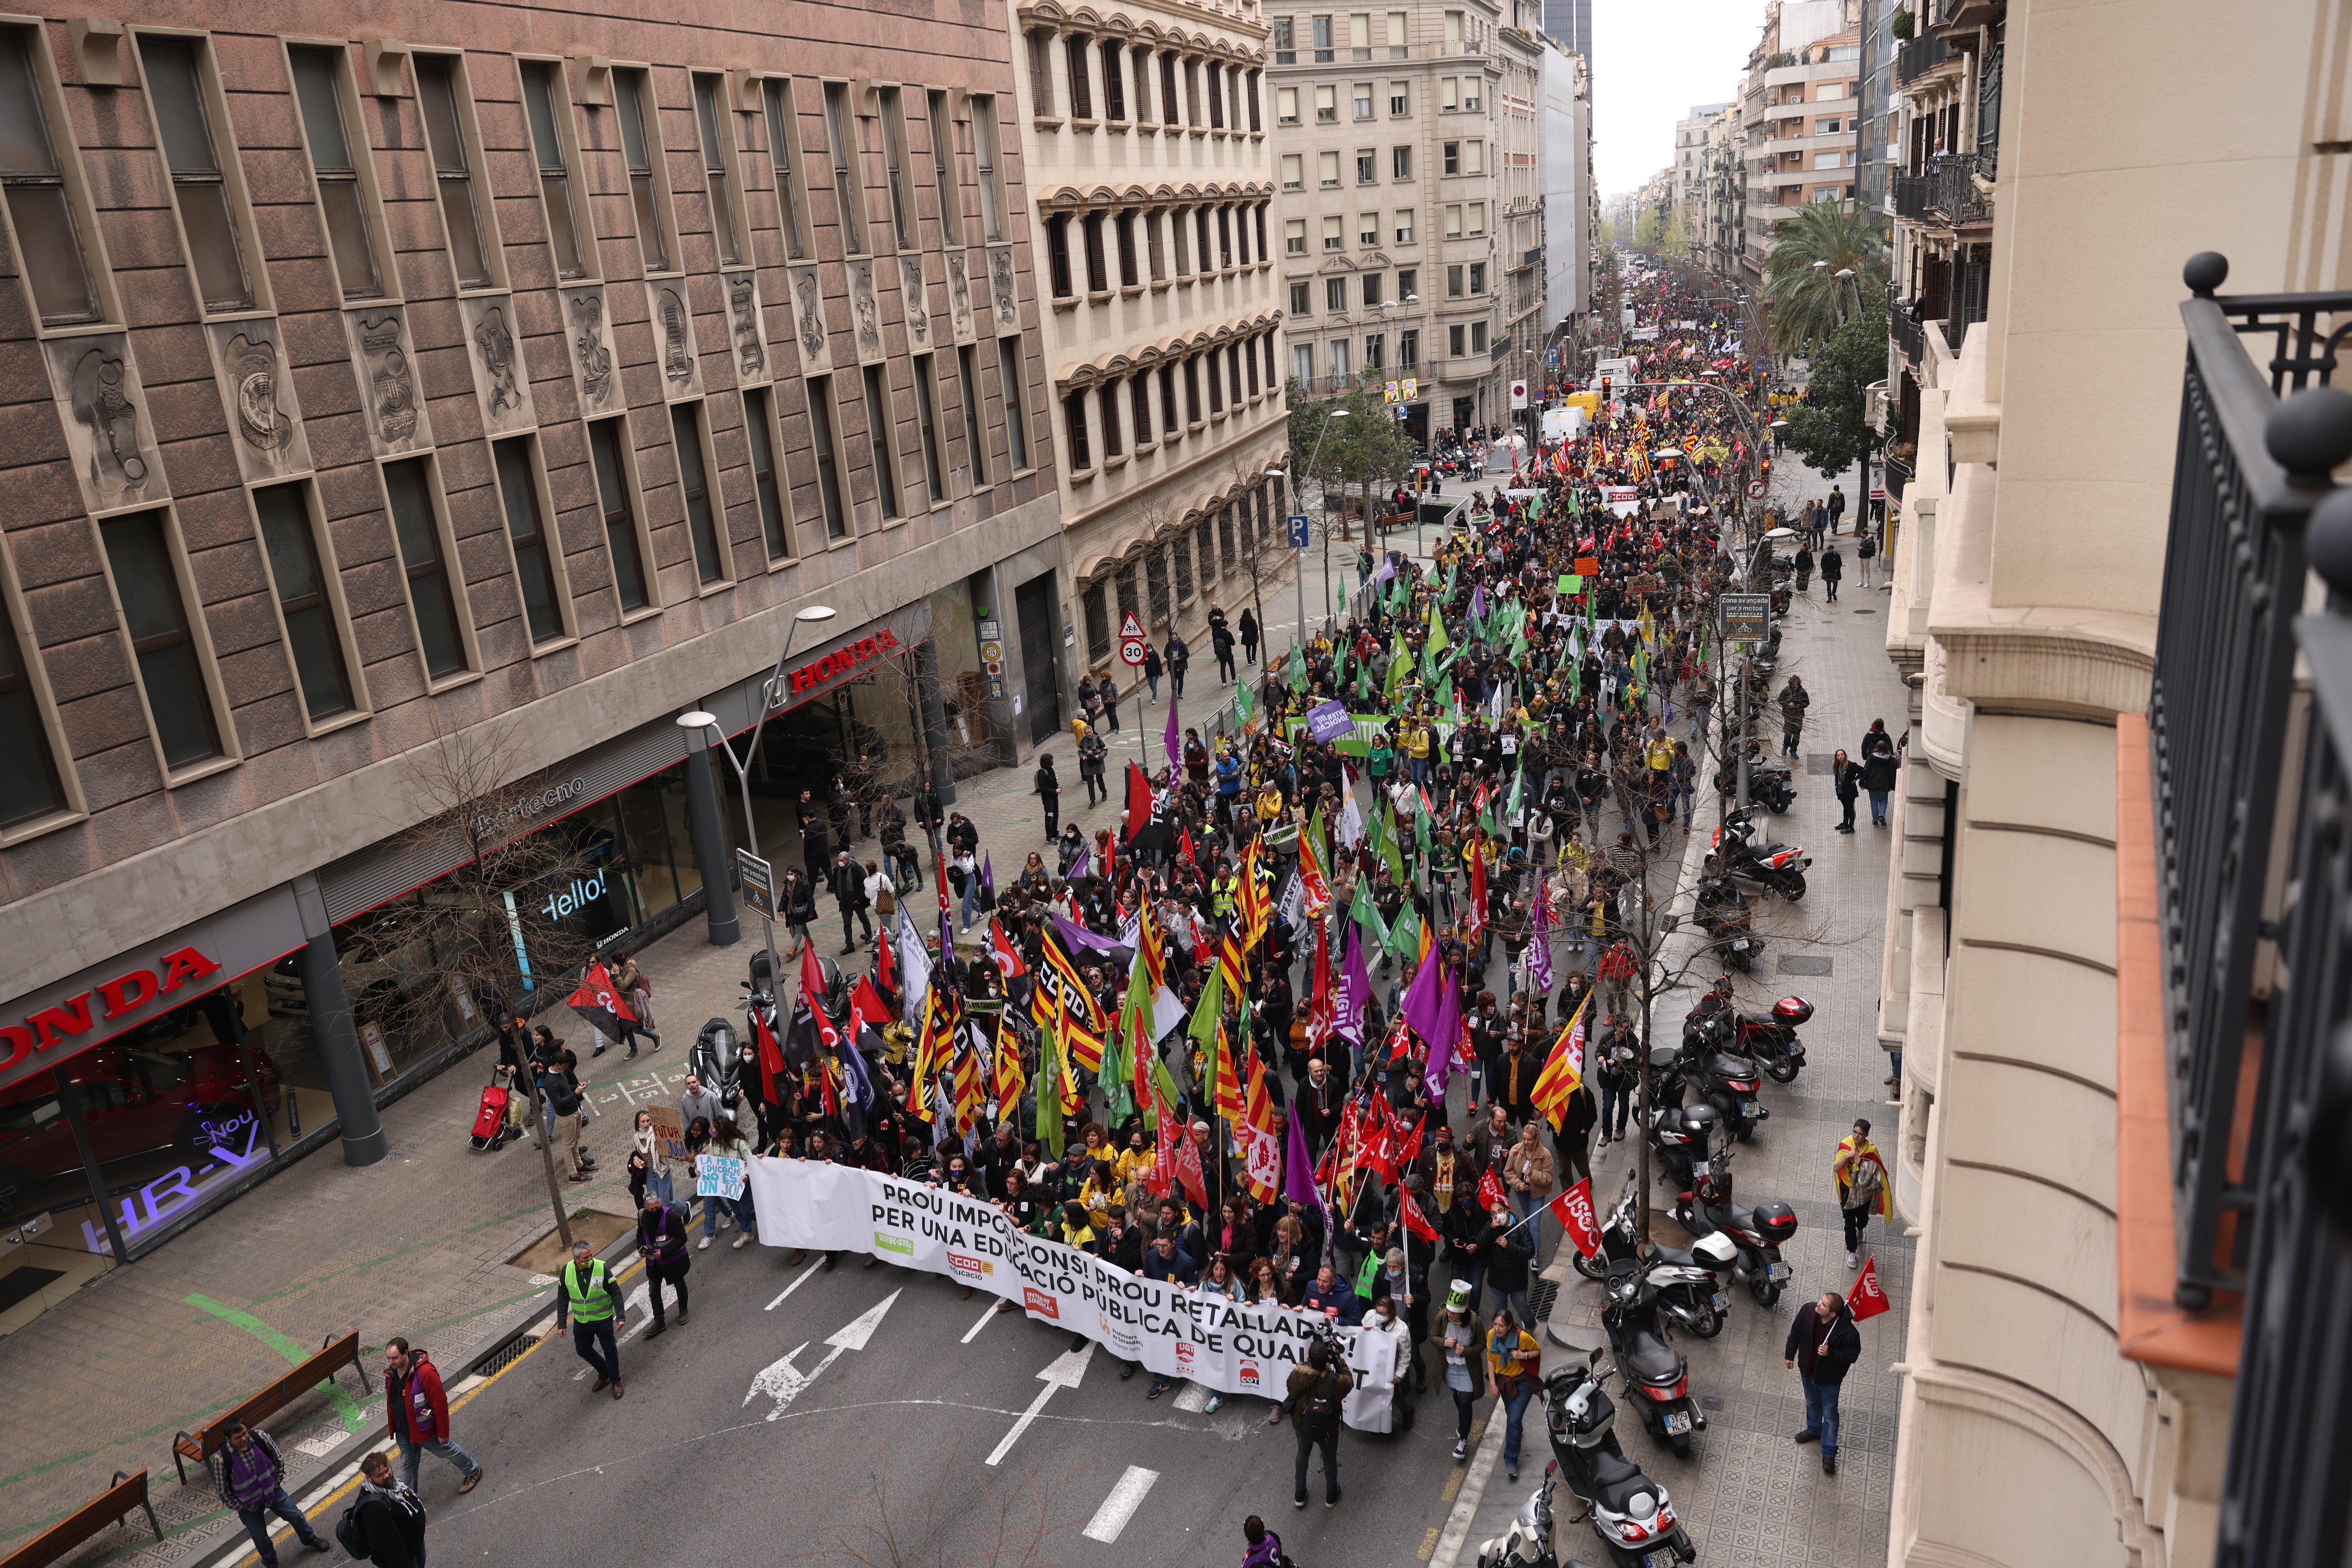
[[122, 1495], [208, 1440]]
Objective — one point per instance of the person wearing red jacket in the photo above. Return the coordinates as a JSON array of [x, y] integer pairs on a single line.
[[418, 1410]]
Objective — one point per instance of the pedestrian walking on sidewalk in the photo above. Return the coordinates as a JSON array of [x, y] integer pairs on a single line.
[[1094, 754], [1793, 701], [1866, 550], [1152, 668], [418, 1407], [847, 880], [1823, 1344], [1845, 777], [1249, 637], [1879, 764], [389, 1517], [1179, 656], [1832, 569], [662, 1230], [1049, 793], [588, 1298], [252, 1480], [1862, 1187], [632, 983]]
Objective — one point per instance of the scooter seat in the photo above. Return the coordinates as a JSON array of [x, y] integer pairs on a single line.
[[1756, 1019], [1674, 1256], [1650, 1359]]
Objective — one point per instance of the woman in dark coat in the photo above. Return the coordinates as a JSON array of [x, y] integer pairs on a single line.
[[1879, 762], [1845, 774]]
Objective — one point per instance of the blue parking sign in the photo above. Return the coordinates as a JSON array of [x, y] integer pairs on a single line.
[[1297, 520]]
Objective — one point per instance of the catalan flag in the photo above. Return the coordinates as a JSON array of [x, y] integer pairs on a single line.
[[937, 1037], [1563, 1070], [1012, 1082]]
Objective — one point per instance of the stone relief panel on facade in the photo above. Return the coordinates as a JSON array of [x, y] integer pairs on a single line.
[[674, 350], [501, 380], [743, 291], [1000, 279], [263, 419], [397, 421], [588, 332], [865, 310], [916, 300], [959, 297], [808, 322], [106, 422]]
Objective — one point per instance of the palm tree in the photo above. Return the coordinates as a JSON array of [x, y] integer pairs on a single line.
[[1809, 251]]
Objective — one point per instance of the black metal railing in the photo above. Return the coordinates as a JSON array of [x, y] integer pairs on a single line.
[[1920, 56], [1910, 331], [2248, 471], [1947, 195]]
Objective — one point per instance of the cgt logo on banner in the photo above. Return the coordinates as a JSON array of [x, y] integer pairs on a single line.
[[1221, 1344]]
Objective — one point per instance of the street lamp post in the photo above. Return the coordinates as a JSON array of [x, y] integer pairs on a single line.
[[1299, 638], [695, 723]]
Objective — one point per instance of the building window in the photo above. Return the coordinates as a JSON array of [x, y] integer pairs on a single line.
[[975, 433], [881, 436], [1171, 423], [314, 642], [1453, 220], [1302, 363], [1192, 390], [1455, 340], [343, 206], [1335, 232], [1285, 106], [1114, 79], [1327, 106], [1286, 42], [893, 110], [1477, 277], [1255, 90], [1474, 157], [848, 190], [1294, 237], [33, 787], [784, 154], [1168, 115], [1112, 437], [1074, 418], [1453, 281], [1322, 26], [1090, 230], [826, 441], [1138, 400], [640, 149], [1371, 289], [1477, 219], [1470, 95], [943, 175], [759, 432], [1374, 352], [1013, 389], [1409, 349], [712, 121], [1294, 174], [417, 528], [1368, 166], [1040, 72], [927, 428], [1096, 599], [1327, 170], [1405, 225], [443, 100], [1155, 245], [1082, 103], [1334, 296], [1301, 300], [178, 90], [1127, 276], [546, 106], [1401, 162], [1363, 101], [1216, 385], [1452, 157], [535, 562], [696, 492], [992, 179], [44, 213], [1057, 255], [1400, 99], [616, 498], [1368, 230], [164, 643], [1477, 337], [1449, 94]]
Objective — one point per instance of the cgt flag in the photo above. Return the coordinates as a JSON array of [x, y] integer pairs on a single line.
[[600, 1002], [1867, 1298], [1573, 1209], [1490, 1193]]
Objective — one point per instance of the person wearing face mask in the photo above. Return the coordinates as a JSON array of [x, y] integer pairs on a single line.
[[1382, 1320]]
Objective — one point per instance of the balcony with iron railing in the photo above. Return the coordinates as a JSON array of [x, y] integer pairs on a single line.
[[1946, 195], [1920, 56], [2234, 939]]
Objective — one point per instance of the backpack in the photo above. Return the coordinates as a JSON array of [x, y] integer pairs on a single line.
[[348, 1533], [1318, 1409]]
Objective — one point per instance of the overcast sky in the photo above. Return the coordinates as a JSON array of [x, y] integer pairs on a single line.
[[1653, 60]]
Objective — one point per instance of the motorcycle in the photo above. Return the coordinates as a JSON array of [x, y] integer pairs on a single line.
[[1759, 1233], [1685, 1280], [1679, 1135], [1711, 1071], [1769, 782], [1630, 1513], [1775, 869], [1656, 1374], [1721, 911], [718, 1059], [1770, 1037]]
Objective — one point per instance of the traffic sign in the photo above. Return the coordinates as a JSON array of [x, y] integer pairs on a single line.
[[759, 883], [991, 650], [1298, 521], [1131, 626], [1130, 650], [1518, 395], [1746, 617], [1755, 490]]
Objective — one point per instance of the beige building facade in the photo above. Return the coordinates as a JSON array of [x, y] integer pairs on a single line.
[[2059, 1406], [1144, 129]]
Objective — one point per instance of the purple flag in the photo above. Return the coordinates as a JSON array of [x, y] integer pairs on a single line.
[[1355, 993], [1539, 943], [1421, 1005], [1175, 736], [1075, 937], [1478, 603], [1078, 865], [1298, 1167], [1444, 1029], [1382, 578], [988, 876]]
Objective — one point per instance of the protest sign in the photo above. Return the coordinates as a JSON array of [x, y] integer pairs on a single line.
[[1328, 720], [668, 1127], [717, 1176]]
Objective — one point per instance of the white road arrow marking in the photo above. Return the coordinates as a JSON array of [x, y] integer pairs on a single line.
[[1069, 1370], [782, 1382]]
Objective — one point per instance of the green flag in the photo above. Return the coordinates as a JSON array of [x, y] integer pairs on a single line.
[[1404, 937], [1319, 836], [1391, 851], [1049, 1098], [1364, 680], [1297, 673], [1511, 806], [1438, 641], [1203, 1027], [1367, 916], [1245, 704], [1399, 666]]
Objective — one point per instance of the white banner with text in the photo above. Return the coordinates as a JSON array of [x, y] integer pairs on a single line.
[[1179, 1331]]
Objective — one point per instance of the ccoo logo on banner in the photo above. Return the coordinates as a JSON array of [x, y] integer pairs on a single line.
[[1219, 1344]]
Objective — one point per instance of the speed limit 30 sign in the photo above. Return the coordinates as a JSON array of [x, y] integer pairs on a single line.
[[1130, 640]]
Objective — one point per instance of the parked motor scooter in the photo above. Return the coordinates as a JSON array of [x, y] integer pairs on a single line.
[[1721, 911], [1770, 1037], [1759, 1233], [1775, 869], [1657, 1378], [1685, 1280], [1631, 1513]]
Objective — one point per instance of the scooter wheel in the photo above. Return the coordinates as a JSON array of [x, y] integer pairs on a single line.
[[1707, 1322], [1591, 1267], [1765, 1291], [1782, 1070], [1793, 885], [1681, 1444]]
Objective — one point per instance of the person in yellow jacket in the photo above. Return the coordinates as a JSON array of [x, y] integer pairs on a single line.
[[1864, 1186], [589, 1299]]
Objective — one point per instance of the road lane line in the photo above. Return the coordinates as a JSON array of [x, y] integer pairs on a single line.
[[1448, 1549], [1192, 1397], [1120, 1506], [795, 1285], [986, 1313]]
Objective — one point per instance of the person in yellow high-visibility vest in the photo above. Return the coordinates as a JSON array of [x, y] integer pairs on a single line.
[[588, 1298]]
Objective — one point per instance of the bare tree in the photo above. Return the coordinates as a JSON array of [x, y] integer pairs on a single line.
[[1009, 1527], [502, 925]]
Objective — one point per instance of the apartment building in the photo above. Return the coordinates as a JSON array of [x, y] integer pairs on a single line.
[[1797, 111], [2098, 967], [1571, 239], [523, 379], [1721, 236], [1145, 137], [1390, 167], [1520, 244], [1690, 165]]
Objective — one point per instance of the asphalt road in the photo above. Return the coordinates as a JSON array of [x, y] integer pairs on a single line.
[[901, 1430]]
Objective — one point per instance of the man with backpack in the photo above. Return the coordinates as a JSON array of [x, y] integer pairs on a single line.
[[253, 1482], [385, 1524], [1312, 1401], [417, 1414]]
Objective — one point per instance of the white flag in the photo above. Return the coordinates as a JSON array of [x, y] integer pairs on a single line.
[[1351, 822], [915, 967]]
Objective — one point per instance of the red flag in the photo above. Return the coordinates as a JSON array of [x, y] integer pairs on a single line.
[[772, 1056], [867, 1008], [1414, 1220], [1008, 957], [1138, 800], [1322, 1005], [600, 1002], [1490, 1193], [885, 963], [1184, 844], [939, 869], [1573, 1209], [1473, 918], [1188, 1169], [812, 997], [1866, 1298], [1412, 1150]]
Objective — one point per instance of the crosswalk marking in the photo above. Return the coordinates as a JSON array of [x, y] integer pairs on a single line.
[[1120, 1506], [1192, 1397]]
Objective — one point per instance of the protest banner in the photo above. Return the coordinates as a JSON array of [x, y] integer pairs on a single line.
[[1221, 1344]]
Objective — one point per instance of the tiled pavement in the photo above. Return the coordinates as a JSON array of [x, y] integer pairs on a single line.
[[1749, 1495]]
